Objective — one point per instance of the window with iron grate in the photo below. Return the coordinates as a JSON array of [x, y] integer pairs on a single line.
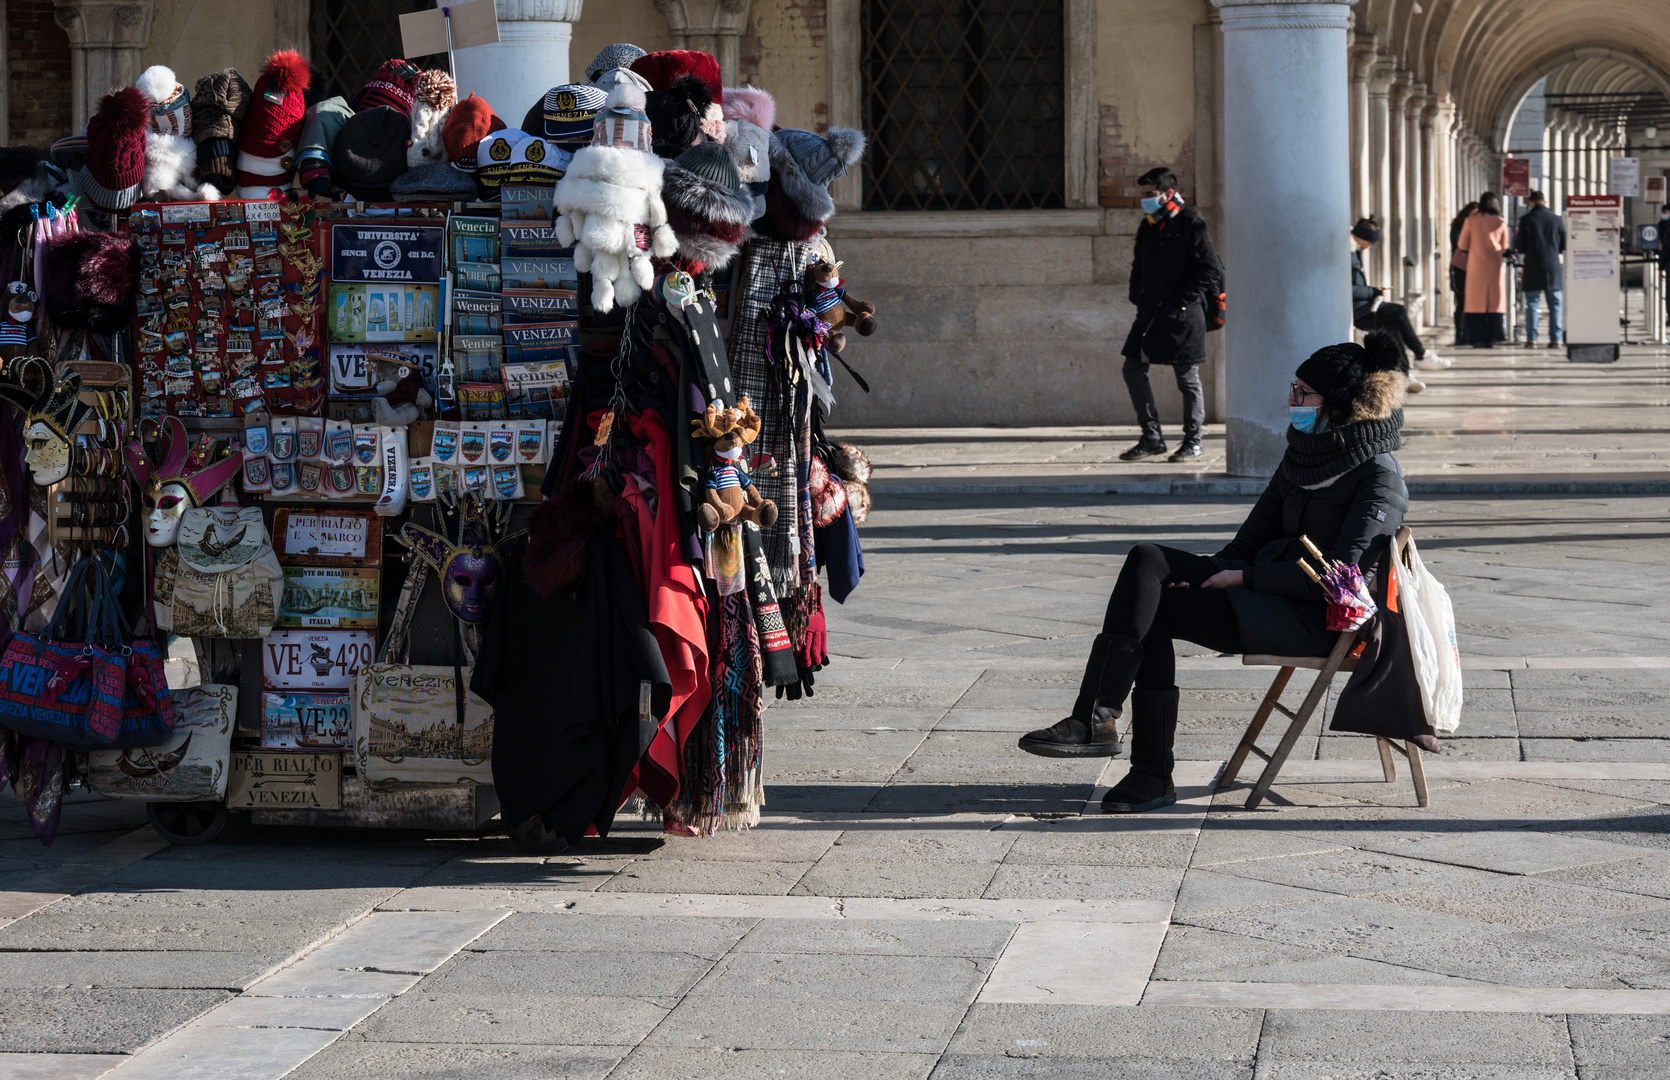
[[352, 38], [964, 104]]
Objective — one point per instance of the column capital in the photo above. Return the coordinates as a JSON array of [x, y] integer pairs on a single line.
[[567, 11], [1382, 72], [1286, 15], [1399, 91], [1360, 54], [702, 17], [105, 24]]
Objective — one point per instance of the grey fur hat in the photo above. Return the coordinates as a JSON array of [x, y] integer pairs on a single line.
[[708, 207], [619, 55], [822, 158]]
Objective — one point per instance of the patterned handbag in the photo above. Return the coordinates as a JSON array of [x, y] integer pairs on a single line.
[[76, 690], [191, 765]]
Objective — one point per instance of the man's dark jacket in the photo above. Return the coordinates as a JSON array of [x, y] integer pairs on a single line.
[[1541, 238], [1174, 271], [1362, 293]]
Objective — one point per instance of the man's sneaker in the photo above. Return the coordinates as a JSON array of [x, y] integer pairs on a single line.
[[1432, 362], [1554, 345], [1187, 452], [1144, 449], [1416, 385]]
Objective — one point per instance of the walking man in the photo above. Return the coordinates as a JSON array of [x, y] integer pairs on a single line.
[[1541, 240], [1173, 275]]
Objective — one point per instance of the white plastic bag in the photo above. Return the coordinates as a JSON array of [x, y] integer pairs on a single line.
[[1430, 620]]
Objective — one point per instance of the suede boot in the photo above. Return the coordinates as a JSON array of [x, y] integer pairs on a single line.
[[1148, 785], [1092, 730]]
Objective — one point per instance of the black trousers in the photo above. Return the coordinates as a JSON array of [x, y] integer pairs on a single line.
[[1142, 607], [1142, 398], [1394, 318]]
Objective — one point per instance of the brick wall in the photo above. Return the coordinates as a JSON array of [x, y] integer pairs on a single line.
[[38, 58], [1120, 165]]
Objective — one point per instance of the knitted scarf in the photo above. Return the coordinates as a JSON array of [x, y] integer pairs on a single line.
[[1169, 208], [1311, 459]]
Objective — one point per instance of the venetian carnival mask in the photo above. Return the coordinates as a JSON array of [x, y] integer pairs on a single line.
[[52, 413], [467, 556], [187, 477]]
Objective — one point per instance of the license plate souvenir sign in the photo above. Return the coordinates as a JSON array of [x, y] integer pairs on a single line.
[[315, 659], [306, 721]]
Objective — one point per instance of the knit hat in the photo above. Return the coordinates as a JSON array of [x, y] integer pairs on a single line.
[[393, 85], [438, 181], [273, 126], [611, 57], [802, 165], [218, 105], [324, 122], [1357, 381], [569, 111], [115, 161], [708, 207], [1367, 229], [435, 95], [170, 103], [469, 122], [621, 121], [371, 152]]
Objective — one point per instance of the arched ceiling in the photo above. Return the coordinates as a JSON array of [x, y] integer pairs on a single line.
[[1486, 54]]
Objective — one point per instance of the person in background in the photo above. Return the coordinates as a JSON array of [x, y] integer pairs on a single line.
[[1392, 318], [1540, 240], [1458, 272], [1486, 241], [1664, 253], [1174, 272]]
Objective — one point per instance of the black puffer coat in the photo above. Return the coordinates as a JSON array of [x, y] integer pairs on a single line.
[[1173, 272], [1279, 609]]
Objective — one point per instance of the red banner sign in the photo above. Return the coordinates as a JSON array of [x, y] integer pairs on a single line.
[[1516, 176]]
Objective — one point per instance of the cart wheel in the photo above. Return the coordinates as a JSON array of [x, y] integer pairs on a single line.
[[533, 836], [187, 822]]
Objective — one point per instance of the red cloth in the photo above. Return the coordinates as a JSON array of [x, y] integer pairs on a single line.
[[677, 615]]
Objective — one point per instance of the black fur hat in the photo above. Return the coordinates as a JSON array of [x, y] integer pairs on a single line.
[[675, 114], [708, 208]]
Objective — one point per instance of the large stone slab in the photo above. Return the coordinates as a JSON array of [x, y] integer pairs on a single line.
[[446, 1061], [1326, 1035], [96, 1021]]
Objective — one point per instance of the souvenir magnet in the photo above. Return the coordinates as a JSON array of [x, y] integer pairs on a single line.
[[341, 481], [310, 474], [310, 437], [284, 477], [501, 443], [472, 442], [422, 480], [507, 482], [339, 442], [530, 442], [366, 440], [366, 480], [257, 473], [445, 450]]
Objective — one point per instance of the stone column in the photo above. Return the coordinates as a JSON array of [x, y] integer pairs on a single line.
[[105, 39], [1288, 269], [1415, 204], [1396, 241], [1360, 60], [1434, 279], [531, 56], [711, 26], [1381, 73]]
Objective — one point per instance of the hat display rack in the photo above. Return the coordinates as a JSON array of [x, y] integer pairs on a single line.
[[252, 332]]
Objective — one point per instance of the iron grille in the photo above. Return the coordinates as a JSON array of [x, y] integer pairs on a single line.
[[352, 38], [964, 104]]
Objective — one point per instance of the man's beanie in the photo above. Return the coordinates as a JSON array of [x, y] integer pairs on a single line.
[[371, 152], [218, 107], [393, 86], [115, 163], [273, 127], [569, 111], [469, 122], [1341, 373], [611, 57], [1367, 229]]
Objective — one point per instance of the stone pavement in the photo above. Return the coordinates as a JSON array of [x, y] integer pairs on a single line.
[[1513, 419], [922, 900]]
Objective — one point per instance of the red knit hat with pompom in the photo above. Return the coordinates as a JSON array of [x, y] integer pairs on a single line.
[[115, 164], [273, 125]]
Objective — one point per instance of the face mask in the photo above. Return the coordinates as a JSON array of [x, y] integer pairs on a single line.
[[1304, 418], [1151, 205]]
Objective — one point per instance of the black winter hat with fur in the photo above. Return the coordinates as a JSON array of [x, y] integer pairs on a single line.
[[708, 208], [1358, 382], [675, 115]]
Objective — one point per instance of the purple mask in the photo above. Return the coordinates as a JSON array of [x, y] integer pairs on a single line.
[[469, 583], [465, 554]]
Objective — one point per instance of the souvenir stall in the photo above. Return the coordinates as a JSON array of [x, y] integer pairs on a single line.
[[367, 461]]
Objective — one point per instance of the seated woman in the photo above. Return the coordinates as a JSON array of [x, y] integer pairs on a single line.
[[1338, 484]]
